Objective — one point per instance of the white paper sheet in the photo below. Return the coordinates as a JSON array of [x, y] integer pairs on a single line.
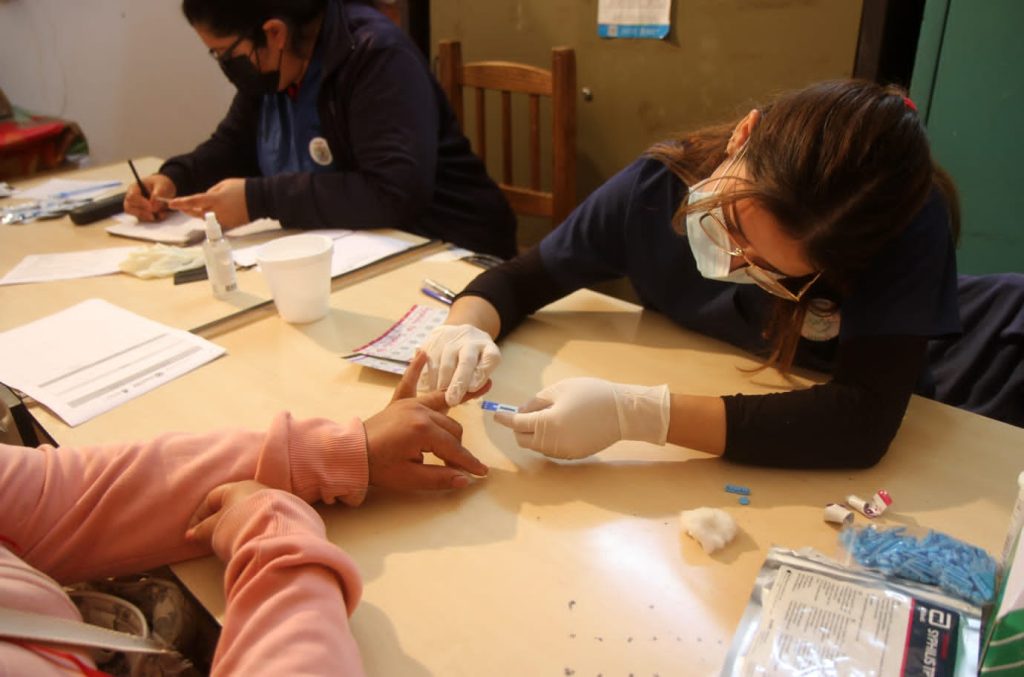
[[181, 229], [93, 356], [67, 265], [452, 253], [66, 188], [361, 249], [245, 257], [176, 228], [393, 350], [352, 250]]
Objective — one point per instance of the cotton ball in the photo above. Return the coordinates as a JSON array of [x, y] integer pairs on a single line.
[[713, 528]]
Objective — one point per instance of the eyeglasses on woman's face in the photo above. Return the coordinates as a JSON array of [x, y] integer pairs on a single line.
[[718, 231], [226, 54]]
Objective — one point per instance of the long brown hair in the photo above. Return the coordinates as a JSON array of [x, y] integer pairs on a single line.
[[843, 166]]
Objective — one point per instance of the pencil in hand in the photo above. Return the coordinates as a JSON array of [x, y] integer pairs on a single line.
[[142, 186]]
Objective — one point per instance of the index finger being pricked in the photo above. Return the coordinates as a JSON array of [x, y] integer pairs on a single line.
[[406, 387]]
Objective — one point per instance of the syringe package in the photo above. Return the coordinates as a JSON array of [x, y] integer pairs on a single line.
[[811, 615]]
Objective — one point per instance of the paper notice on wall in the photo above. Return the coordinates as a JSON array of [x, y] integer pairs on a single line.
[[633, 18]]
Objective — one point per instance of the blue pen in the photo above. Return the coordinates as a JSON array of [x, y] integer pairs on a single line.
[[439, 288], [88, 189], [434, 295]]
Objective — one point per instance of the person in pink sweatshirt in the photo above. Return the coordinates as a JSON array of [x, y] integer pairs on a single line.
[[77, 514]]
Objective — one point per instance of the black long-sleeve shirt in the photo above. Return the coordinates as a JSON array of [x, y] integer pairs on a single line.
[[905, 297]]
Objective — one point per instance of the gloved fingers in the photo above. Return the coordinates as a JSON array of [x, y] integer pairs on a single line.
[[468, 358], [488, 360], [526, 441], [520, 423], [478, 392], [536, 403], [446, 365]]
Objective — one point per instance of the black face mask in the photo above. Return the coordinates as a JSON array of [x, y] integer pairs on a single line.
[[247, 78]]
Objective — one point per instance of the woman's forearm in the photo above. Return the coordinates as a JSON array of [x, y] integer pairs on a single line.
[[475, 311], [697, 422]]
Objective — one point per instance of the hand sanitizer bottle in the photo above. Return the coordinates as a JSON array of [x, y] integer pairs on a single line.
[[220, 266]]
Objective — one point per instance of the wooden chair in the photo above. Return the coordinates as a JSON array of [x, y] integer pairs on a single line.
[[559, 84]]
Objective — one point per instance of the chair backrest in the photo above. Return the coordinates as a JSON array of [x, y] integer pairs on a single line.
[[559, 84]]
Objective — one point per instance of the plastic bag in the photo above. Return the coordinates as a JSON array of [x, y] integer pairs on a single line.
[[811, 615]]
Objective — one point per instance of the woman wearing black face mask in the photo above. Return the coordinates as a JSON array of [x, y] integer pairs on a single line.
[[337, 123]]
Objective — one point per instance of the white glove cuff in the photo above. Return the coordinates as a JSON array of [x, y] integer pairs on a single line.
[[644, 412]]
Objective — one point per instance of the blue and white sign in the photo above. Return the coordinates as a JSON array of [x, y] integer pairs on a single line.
[[644, 19]]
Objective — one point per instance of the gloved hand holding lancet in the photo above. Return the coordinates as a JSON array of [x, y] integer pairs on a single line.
[[578, 417]]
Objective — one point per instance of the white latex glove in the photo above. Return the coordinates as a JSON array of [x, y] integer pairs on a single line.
[[460, 359], [578, 417]]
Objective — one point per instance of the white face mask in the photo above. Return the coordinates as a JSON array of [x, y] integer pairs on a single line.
[[713, 262]]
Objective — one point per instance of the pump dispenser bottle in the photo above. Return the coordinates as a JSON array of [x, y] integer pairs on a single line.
[[220, 266]]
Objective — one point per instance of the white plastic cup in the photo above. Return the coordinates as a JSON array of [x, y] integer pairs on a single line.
[[298, 271]]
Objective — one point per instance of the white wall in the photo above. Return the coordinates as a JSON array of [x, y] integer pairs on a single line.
[[132, 74]]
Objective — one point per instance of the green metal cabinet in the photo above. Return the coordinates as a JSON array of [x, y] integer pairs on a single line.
[[968, 83]]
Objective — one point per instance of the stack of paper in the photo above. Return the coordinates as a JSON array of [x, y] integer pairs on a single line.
[[181, 229], [93, 356]]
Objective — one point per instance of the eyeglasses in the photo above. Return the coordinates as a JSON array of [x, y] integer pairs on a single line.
[[721, 236], [226, 54]]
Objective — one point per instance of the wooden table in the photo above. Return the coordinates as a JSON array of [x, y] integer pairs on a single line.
[[186, 306], [551, 568]]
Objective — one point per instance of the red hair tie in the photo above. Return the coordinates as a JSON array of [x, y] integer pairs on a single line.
[[909, 104]]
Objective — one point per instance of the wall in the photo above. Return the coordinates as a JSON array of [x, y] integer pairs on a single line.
[[133, 75], [721, 58]]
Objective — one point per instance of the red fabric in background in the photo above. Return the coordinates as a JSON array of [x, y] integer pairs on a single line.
[[33, 144]]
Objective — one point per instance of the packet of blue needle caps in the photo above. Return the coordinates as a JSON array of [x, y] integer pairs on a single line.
[[811, 615], [959, 568]]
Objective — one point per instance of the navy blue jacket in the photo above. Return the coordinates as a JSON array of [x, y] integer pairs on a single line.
[[401, 160]]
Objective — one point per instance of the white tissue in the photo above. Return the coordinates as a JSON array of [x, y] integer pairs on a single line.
[[713, 528], [161, 261]]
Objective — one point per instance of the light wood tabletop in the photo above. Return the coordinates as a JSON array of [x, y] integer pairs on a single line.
[[185, 306], [559, 568]]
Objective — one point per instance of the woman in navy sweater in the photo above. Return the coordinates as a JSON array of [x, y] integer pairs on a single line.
[[337, 123], [815, 231]]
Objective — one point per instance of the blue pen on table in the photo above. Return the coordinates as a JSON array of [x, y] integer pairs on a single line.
[[440, 289], [142, 186], [435, 295]]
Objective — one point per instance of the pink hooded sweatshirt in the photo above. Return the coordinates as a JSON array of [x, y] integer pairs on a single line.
[[69, 515]]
